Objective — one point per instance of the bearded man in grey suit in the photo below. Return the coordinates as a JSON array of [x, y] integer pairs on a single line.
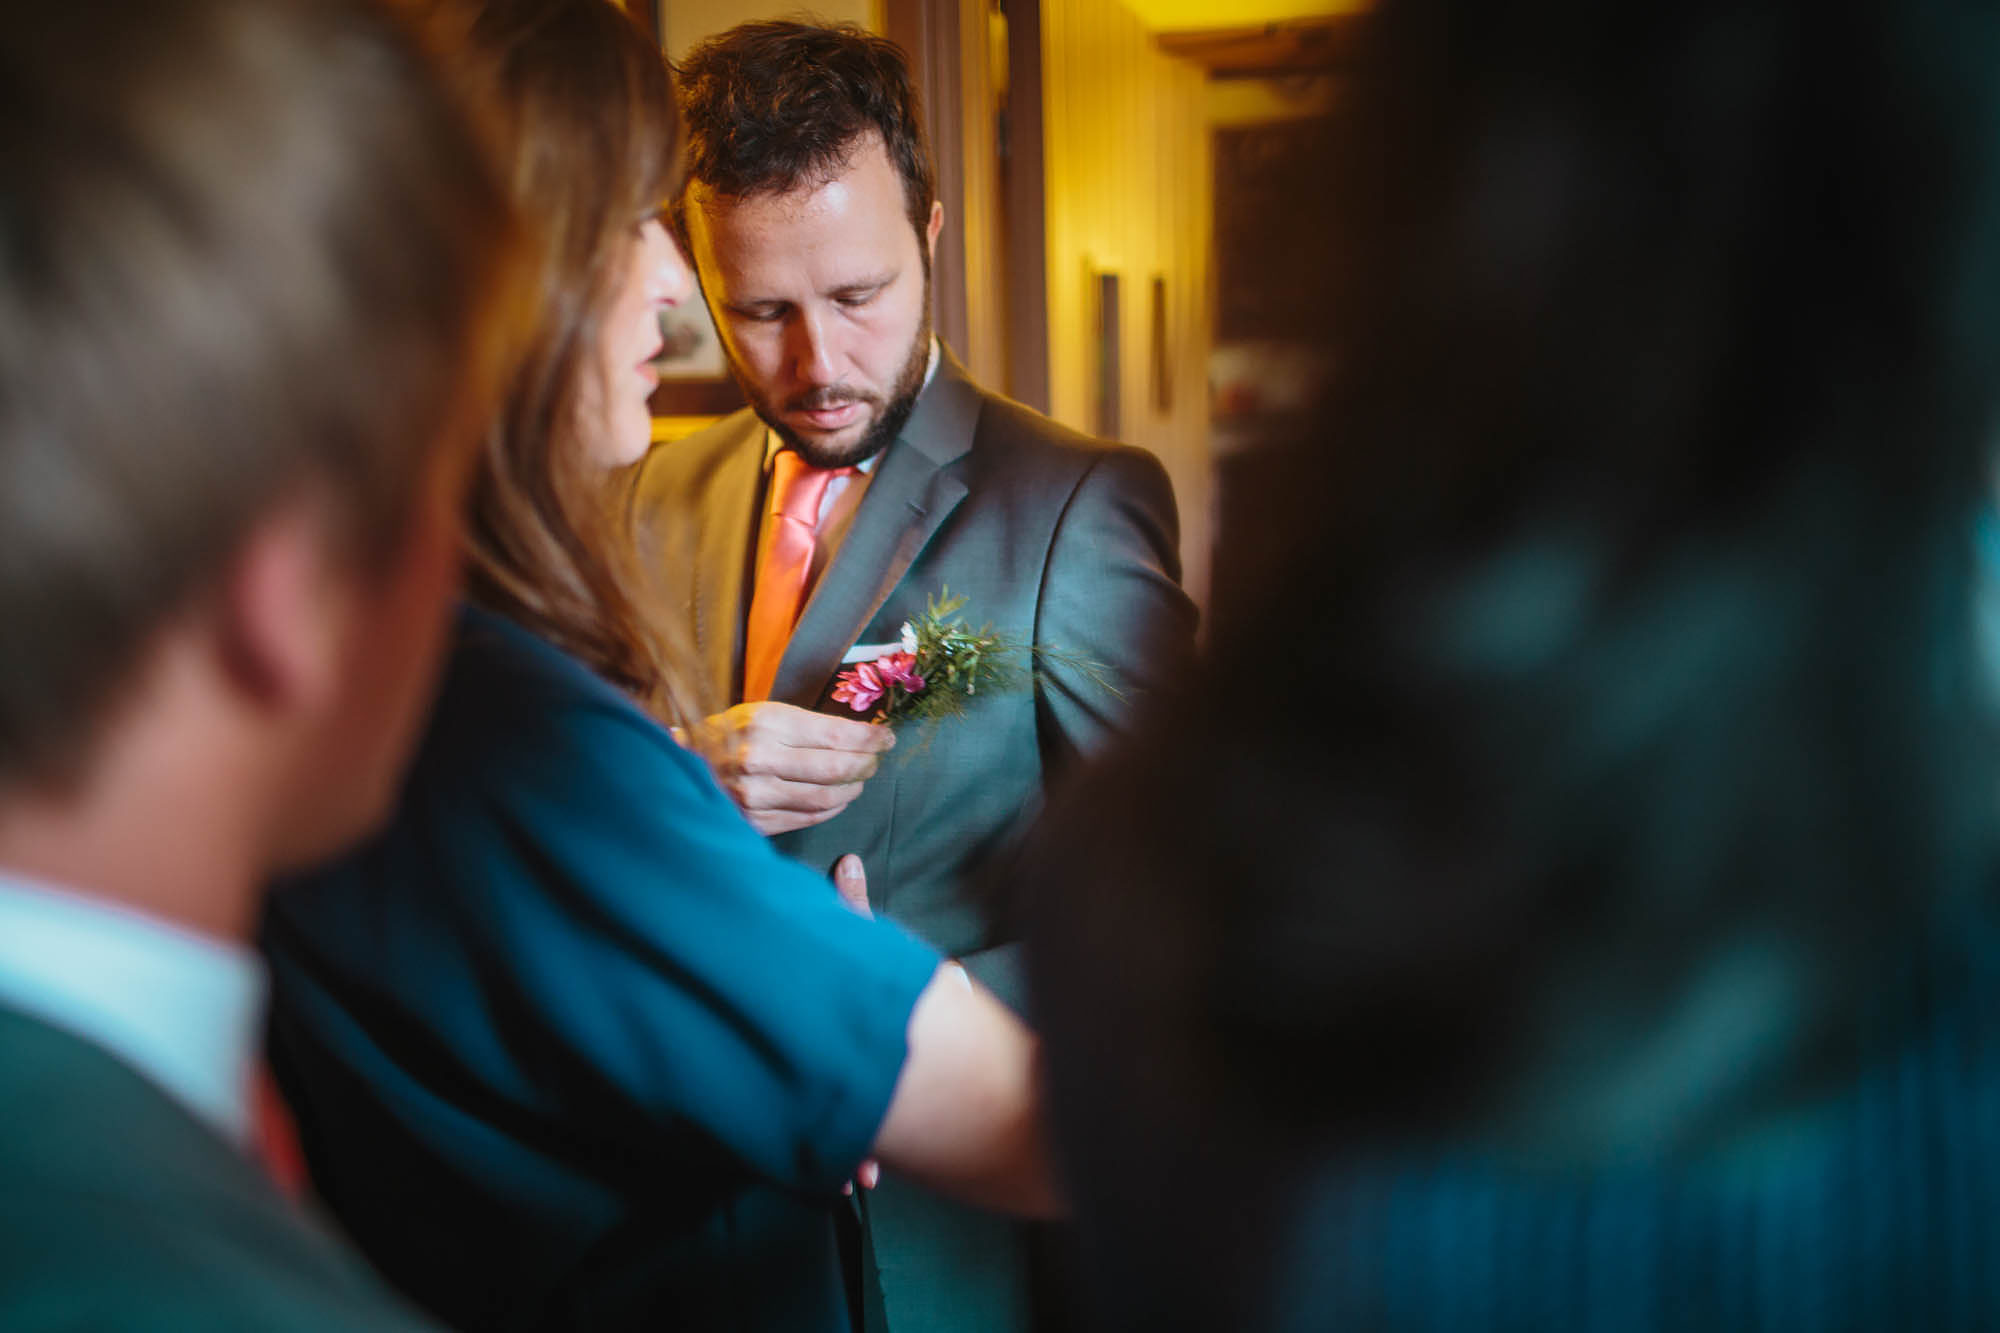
[[869, 475]]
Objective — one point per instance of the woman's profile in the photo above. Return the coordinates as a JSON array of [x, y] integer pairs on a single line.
[[570, 1045]]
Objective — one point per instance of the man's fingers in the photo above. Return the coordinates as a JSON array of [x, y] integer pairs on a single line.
[[787, 768], [774, 822], [851, 882], [763, 794], [825, 768], [802, 729]]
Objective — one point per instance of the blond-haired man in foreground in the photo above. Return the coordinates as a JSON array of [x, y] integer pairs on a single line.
[[245, 247]]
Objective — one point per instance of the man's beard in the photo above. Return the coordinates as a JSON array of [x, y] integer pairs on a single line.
[[890, 416]]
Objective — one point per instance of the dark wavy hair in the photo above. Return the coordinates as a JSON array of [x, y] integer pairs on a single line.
[[773, 106], [589, 135]]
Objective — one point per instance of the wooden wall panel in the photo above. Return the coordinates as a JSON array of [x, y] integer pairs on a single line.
[[685, 22], [980, 205], [1128, 182]]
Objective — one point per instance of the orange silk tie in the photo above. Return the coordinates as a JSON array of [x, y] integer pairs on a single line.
[[796, 491]]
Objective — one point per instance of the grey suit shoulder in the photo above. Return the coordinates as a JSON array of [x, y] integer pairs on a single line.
[[118, 1209]]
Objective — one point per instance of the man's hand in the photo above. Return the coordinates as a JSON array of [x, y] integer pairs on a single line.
[[850, 881], [787, 768]]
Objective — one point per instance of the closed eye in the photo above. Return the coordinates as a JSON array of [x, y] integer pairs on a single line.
[[854, 298]]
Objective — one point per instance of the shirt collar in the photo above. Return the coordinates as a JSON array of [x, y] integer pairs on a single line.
[[182, 1008]]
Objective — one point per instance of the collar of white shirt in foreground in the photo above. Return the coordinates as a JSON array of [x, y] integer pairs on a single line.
[[182, 1008]]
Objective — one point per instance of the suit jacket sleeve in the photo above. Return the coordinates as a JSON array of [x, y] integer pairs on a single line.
[[1111, 596], [1113, 615]]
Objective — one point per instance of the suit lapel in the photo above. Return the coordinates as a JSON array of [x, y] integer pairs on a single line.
[[725, 552], [913, 491]]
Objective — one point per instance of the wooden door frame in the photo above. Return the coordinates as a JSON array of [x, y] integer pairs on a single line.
[[928, 31], [1010, 269], [1027, 239]]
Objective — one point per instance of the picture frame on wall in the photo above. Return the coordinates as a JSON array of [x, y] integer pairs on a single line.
[[691, 349], [1162, 348], [1109, 417], [694, 374]]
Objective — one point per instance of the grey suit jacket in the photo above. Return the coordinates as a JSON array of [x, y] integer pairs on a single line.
[[118, 1210], [1056, 538]]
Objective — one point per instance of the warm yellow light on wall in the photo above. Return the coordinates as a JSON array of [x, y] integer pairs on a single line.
[[1171, 15]]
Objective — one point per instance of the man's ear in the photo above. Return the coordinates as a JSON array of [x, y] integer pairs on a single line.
[[935, 226], [280, 609]]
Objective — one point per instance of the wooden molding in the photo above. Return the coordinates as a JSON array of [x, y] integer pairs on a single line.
[[646, 14], [1301, 46]]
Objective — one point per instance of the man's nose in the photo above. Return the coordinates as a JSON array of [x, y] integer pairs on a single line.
[[812, 350]]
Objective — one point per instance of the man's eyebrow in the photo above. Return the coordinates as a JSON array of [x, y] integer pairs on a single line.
[[874, 282]]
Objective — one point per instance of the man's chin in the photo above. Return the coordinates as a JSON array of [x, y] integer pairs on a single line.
[[857, 444]]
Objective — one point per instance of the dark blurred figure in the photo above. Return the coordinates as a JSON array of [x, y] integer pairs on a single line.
[[1561, 897], [247, 250]]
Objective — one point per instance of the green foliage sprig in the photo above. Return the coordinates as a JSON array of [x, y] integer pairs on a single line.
[[944, 664]]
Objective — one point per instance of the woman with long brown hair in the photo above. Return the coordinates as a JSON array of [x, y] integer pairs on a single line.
[[570, 1045], [591, 134]]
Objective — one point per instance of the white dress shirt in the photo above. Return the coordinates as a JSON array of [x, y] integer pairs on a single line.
[[181, 1008]]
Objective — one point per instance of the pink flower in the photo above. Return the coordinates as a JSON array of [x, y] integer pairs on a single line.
[[900, 669], [862, 686], [859, 687]]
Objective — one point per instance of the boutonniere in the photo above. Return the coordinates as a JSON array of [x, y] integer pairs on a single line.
[[939, 664]]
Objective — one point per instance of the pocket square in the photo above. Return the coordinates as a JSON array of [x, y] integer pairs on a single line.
[[868, 652]]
